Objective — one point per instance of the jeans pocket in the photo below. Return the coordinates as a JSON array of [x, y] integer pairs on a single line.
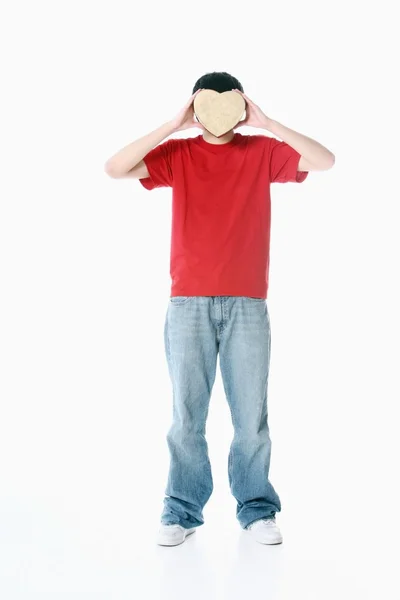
[[180, 299]]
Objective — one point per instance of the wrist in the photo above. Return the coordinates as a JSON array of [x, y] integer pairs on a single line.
[[170, 127], [269, 124]]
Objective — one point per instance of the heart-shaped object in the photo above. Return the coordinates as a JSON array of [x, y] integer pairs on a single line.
[[219, 113]]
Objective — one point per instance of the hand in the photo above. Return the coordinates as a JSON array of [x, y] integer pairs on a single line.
[[185, 119], [254, 115]]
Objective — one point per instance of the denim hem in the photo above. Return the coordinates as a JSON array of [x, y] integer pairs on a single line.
[[255, 518], [185, 524]]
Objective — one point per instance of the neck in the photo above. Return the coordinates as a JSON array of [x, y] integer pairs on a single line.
[[224, 139]]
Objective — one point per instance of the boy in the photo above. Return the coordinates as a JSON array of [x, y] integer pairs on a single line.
[[220, 241]]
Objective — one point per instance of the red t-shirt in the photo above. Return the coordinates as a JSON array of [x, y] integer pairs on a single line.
[[221, 210]]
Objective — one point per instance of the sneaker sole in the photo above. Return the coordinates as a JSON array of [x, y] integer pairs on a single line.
[[165, 543], [270, 543]]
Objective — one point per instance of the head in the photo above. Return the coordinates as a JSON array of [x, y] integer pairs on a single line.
[[217, 81]]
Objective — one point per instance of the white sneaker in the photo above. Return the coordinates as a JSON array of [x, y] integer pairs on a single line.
[[265, 531], [172, 535]]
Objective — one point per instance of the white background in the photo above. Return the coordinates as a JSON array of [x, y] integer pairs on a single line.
[[85, 394]]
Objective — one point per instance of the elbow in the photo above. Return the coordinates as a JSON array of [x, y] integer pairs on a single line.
[[327, 162], [111, 170]]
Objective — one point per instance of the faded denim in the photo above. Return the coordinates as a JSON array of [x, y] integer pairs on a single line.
[[197, 328]]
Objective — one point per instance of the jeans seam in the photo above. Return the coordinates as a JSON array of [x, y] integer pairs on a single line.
[[167, 346], [230, 459]]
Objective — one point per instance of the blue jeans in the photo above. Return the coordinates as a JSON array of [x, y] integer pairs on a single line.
[[197, 328]]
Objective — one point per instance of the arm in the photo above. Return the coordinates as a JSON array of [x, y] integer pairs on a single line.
[[314, 156], [128, 162]]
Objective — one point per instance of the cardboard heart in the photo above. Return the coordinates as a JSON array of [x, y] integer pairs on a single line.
[[219, 113]]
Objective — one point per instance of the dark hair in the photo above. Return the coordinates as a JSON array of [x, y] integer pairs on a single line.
[[217, 81]]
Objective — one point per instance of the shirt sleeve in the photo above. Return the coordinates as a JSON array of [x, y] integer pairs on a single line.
[[283, 162], [159, 165]]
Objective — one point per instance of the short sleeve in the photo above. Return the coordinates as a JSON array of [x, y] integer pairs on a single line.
[[159, 163], [283, 162]]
